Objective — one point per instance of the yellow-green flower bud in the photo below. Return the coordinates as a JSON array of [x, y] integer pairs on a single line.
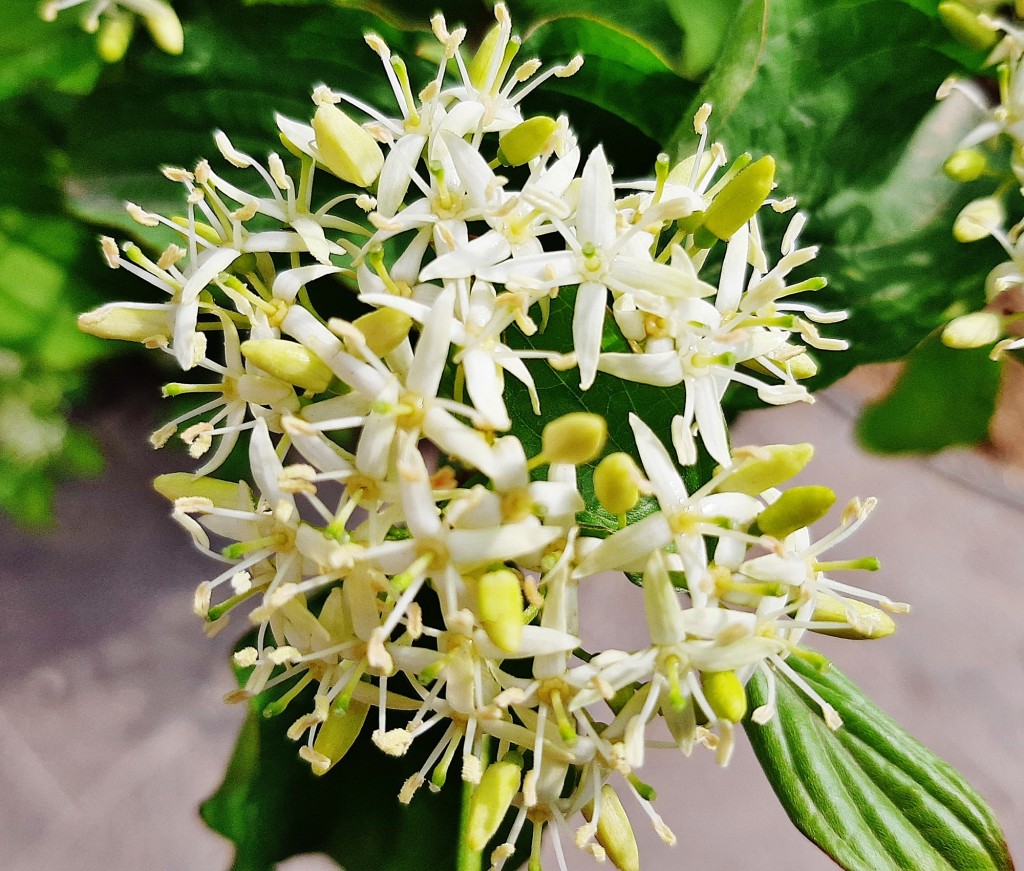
[[972, 331], [338, 734], [500, 597], [967, 164], [163, 25], [966, 26], [345, 148], [384, 329], [725, 694], [766, 467], [526, 141], [796, 508], [113, 321], [491, 800], [574, 438], [180, 485], [802, 366], [291, 362], [866, 621], [616, 480], [978, 219], [614, 831], [481, 61], [114, 36], [740, 199]]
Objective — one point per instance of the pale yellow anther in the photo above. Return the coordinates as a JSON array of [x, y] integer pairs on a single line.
[[978, 219], [284, 655], [241, 582], [378, 45], [246, 657], [795, 509], [973, 331], [113, 321], [202, 171], [725, 694], [322, 94], [177, 174], [110, 252], [201, 599], [700, 119], [289, 361], [614, 832], [866, 621], [491, 800], [757, 469], [617, 483], [574, 438], [170, 255], [199, 438], [394, 742], [140, 215], [178, 485], [193, 505], [345, 148], [160, 437], [500, 598], [571, 68]]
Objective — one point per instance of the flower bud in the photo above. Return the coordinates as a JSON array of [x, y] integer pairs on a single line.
[[725, 694], [384, 329], [574, 438], [766, 467], [345, 148], [796, 508], [163, 25], [495, 42], [178, 485], [614, 831], [616, 483], [740, 199], [978, 219], [526, 141], [972, 331], [113, 321], [866, 621], [966, 26], [967, 164], [338, 734], [291, 362], [500, 597], [491, 800], [114, 36]]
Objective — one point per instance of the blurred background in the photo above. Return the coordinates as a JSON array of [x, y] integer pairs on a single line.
[[112, 727]]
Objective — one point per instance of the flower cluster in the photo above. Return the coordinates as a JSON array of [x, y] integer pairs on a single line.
[[405, 556]]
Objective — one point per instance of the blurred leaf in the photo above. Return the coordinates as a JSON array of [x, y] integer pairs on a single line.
[[273, 807], [868, 794], [34, 52], [944, 397]]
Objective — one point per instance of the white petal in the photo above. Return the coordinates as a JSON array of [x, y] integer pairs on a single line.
[[661, 369], [595, 215], [587, 327], [397, 172], [658, 465], [287, 283]]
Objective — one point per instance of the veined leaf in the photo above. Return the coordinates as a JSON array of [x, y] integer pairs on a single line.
[[868, 794]]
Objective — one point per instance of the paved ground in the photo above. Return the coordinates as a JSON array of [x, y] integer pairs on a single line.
[[112, 729]]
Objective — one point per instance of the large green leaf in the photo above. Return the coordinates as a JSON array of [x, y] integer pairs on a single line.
[[841, 92], [944, 397], [868, 794]]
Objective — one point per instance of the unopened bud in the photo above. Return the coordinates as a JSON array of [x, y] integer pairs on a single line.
[[163, 25], [966, 25], [978, 219], [740, 199], [180, 485], [796, 508], [725, 694], [972, 331], [526, 141], [114, 36], [338, 734], [866, 621], [967, 164], [500, 597], [384, 329], [291, 362], [574, 438], [616, 483], [614, 831], [113, 321], [345, 148], [491, 800], [484, 60], [766, 467]]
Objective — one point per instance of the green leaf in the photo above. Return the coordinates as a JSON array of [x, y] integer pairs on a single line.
[[868, 794], [944, 397], [34, 52], [272, 806]]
